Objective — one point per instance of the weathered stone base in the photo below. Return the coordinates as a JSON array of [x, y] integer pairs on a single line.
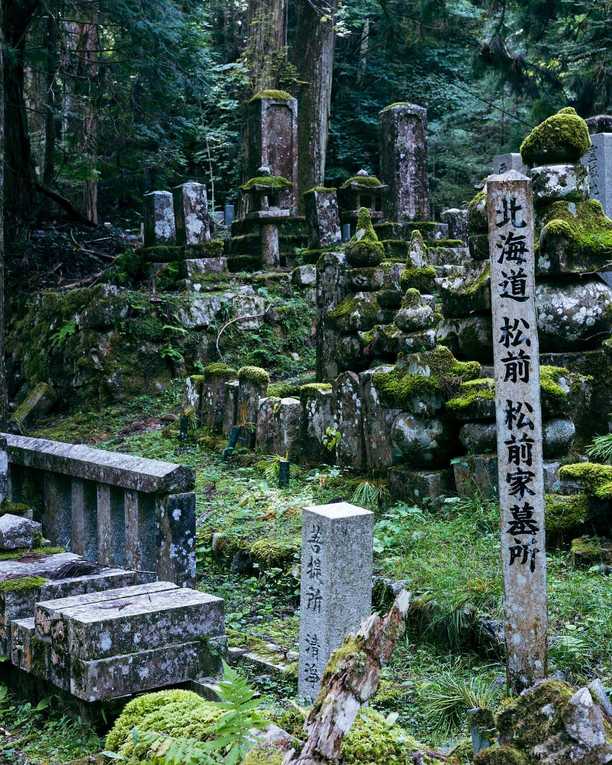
[[420, 486]]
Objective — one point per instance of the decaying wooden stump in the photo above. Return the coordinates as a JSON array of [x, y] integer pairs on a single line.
[[351, 678]]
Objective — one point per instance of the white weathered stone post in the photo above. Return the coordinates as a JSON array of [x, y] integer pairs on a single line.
[[599, 160], [336, 592], [159, 221], [519, 425], [191, 214]]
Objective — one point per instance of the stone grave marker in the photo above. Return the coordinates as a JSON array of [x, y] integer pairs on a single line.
[[322, 217], [191, 213], [599, 160], [159, 221], [502, 163], [519, 425], [336, 589], [403, 152], [4, 469]]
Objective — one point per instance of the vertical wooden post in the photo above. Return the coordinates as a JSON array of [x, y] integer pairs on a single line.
[[519, 425]]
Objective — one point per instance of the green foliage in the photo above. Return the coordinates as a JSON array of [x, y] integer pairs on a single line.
[[371, 494], [22, 583], [601, 448]]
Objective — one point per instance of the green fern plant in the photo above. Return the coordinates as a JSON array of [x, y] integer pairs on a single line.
[[601, 448], [371, 494], [63, 333]]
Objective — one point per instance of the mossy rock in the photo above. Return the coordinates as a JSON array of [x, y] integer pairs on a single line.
[[588, 551], [420, 278], [366, 181], [436, 374], [162, 253], [575, 241], [364, 249], [596, 479], [276, 553], [256, 375], [22, 584], [564, 514], [272, 182], [372, 739], [563, 137], [477, 214], [475, 401], [271, 94], [219, 369], [500, 755], [16, 508], [211, 249], [355, 313], [172, 713], [264, 755]]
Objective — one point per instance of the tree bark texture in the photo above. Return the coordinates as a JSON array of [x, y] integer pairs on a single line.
[[267, 42]]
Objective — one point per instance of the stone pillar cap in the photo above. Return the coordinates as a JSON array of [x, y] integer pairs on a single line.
[[600, 123]]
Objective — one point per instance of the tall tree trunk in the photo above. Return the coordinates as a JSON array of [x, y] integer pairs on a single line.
[[88, 47], [364, 46], [314, 58], [267, 42], [19, 172], [51, 117], [3, 380]]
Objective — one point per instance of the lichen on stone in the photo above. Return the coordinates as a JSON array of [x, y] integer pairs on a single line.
[[264, 755], [563, 137]]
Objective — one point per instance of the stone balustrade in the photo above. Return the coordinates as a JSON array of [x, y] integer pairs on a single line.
[[115, 509]]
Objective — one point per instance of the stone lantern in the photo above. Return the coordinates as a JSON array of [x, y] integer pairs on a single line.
[[362, 190], [266, 199]]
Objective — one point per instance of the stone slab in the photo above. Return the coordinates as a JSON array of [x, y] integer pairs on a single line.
[[80, 461], [17, 532], [117, 676], [142, 621]]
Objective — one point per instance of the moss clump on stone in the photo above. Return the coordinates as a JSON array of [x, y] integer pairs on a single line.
[[14, 508], [583, 236], [364, 249], [365, 310], [22, 583], [533, 716], [211, 249], [446, 243], [173, 713], [219, 369], [310, 390], [274, 95], [500, 755], [283, 390], [274, 552], [367, 181], [321, 189], [399, 387], [274, 182], [421, 278], [596, 479], [34, 552], [255, 375], [372, 739], [472, 391], [565, 513], [477, 213], [563, 137], [264, 755]]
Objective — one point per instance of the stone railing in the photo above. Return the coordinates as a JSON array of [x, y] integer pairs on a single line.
[[115, 509]]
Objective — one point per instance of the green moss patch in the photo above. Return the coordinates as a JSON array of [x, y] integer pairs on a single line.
[[596, 479], [34, 552], [367, 181], [219, 369], [563, 137], [23, 583], [310, 390], [274, 182], [273, 95], [477, 214], [472, 393], [565, 513], [500, 755], [421, 278], [256, 375], [584, 238]]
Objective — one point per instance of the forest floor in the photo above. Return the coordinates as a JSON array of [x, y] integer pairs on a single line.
[[449, 559]]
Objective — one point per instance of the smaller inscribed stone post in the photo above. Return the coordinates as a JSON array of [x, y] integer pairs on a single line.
[[159, 222], [403, 160], [191, 212], [4, 470], [336, 591], [519, 425]]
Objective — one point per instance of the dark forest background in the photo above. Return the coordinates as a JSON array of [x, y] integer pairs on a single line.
[[106, 99]]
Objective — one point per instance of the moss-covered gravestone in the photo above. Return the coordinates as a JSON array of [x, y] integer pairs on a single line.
[[598, 159]]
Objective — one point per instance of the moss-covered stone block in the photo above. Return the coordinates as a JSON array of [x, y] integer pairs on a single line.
[[422, 279], [477, 214], [565, 514], [563, 137], [589, 551], [596, 479], [360, 312], [500, 755]]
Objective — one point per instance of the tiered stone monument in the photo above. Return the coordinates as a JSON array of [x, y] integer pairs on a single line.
[[336, 587], [267, 207], [361, 191]]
